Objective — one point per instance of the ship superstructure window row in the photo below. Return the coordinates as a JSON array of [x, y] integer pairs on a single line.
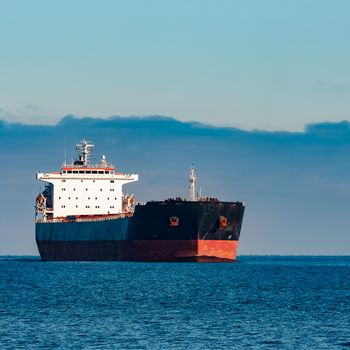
[[100, 172]]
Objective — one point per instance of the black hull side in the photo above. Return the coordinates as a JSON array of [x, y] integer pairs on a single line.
[[197, 220], [148, 235]]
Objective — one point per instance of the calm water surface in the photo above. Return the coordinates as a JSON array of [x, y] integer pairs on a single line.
[[256, 303]]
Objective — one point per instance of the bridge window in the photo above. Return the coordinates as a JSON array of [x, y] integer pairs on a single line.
[[100, 172], [94, 172], [112, 181], [69, 171]]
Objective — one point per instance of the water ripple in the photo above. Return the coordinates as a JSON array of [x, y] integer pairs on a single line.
[[258, 303]]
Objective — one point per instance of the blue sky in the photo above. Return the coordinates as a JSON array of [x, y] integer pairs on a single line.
[[240, 66], [250, 64]]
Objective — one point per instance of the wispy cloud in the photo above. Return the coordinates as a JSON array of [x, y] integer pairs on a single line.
[[339, 87], [4, 113], [33, 108]]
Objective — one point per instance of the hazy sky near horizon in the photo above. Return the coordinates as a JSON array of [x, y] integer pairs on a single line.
[[251, 64]]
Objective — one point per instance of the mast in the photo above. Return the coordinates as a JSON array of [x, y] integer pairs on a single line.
[[192, 184], [85, 148]]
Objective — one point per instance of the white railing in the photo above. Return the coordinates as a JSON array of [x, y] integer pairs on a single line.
[[81, 219]]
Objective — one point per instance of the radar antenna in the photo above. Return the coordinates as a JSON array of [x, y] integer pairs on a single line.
[[85, 148], [192, 186]]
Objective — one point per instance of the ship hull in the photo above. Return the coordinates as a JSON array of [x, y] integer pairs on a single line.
[[147, 250], [158, 231]]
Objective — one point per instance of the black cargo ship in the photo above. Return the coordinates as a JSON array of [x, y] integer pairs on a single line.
[[199, 229]]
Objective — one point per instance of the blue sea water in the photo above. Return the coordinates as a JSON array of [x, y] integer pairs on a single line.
[[256, 303]]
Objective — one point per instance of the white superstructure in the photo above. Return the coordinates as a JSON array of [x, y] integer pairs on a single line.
[[81, 188]]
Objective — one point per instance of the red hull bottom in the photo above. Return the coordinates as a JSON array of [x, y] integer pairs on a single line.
[[145, 250]]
